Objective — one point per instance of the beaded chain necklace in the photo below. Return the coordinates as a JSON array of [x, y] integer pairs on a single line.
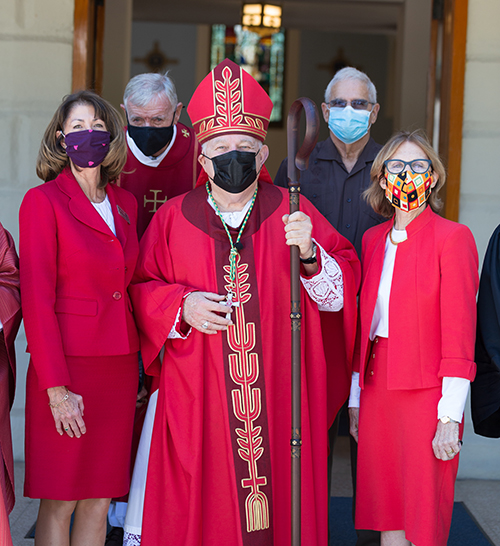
[[234, 246]]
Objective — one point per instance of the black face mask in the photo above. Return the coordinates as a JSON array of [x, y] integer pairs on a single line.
[[151, 140], [234, 171]]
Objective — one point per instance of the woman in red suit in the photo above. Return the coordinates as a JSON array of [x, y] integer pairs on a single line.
[[416, 349], [78, 250]]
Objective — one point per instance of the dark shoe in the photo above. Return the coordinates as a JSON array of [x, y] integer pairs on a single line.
[[114, 537]]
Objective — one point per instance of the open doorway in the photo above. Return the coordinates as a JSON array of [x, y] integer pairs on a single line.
[[396, 42]]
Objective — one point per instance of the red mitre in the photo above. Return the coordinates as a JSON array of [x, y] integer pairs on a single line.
[[229, 101]]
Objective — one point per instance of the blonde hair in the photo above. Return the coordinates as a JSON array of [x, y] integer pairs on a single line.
[[52, 157], [375, 194]]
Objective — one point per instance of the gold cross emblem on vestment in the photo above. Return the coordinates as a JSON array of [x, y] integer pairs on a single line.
[[156, 201]]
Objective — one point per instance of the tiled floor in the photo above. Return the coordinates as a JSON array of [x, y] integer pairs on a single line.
[[482, 498], [25, 511]]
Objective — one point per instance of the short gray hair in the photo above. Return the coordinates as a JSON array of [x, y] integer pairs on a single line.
[[351, 73], [143, 88]]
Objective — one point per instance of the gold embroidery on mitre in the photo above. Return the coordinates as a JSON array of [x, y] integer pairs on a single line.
[[247, 403], [228, 97]]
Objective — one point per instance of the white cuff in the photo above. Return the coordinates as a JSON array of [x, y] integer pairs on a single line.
[[454, 396], [175, 333]]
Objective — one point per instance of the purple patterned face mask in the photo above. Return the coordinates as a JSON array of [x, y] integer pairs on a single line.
[[87, 148]]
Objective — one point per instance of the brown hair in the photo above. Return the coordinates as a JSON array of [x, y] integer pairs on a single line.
[[375, 194], [52, 157]]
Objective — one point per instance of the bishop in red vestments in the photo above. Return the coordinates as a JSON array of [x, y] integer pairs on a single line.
[[212, 289]]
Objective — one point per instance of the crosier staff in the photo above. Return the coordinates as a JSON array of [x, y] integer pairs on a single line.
[[297, 161]]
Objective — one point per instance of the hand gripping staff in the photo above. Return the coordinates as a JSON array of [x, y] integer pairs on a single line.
[[297, 161]]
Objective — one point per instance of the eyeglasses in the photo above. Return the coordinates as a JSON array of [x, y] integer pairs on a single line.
[[356, 104], [417, 166]]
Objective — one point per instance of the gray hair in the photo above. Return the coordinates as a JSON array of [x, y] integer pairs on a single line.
[[351, 73], [143, 88]]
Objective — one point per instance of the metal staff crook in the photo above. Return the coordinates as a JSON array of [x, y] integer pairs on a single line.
[[298, 160]]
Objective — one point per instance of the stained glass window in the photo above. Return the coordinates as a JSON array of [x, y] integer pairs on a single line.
[[261, 56]]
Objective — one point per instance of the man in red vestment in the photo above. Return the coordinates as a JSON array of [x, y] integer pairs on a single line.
[[162, 153], [212, 289]]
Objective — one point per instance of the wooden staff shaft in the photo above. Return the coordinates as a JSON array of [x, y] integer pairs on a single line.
[[297, 161]]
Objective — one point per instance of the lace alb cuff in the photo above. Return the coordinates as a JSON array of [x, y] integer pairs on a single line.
[[175, 332], [327, 287]]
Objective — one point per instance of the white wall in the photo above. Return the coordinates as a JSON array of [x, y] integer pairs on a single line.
[[36, 46], [480, 183]]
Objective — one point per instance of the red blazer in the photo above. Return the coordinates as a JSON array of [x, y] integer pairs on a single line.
[[75, 275], [432, 306]]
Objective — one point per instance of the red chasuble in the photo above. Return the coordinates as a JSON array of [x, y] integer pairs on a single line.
[[219, 468], [175, 175]]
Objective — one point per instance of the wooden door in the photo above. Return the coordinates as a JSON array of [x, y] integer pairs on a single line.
[[446, 84], [88, 39]]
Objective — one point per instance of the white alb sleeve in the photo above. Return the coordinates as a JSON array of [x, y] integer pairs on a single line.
[[327, 287], [175, 332]]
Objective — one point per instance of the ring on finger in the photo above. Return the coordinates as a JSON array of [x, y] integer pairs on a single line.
[[450, 453], [205, 325], [66, 428]]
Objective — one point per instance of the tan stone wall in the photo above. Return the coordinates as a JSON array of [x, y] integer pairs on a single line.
[[480, 184], [36, 44]]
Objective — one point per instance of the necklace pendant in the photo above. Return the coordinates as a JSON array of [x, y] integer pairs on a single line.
[[230, 303]]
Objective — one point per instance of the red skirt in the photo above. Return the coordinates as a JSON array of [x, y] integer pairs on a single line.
[[400, 483], [96, 465]]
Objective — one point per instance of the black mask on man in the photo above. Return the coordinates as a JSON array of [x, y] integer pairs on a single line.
[[151, 140], [234, 171]]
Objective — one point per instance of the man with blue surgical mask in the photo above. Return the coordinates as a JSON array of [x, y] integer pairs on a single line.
[[338, 173], [339, 167]]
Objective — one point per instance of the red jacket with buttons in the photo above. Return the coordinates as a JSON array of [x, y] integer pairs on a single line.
[[75, 275], [432, 305]]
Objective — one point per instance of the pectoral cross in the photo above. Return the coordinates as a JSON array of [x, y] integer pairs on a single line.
[[155, 200], [230, 303]]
